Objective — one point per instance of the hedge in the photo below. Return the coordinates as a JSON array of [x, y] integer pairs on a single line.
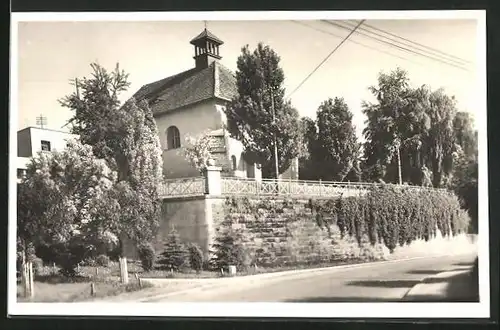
[[394, 215]]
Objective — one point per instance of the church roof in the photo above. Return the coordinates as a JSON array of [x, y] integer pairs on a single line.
[[189, 87]]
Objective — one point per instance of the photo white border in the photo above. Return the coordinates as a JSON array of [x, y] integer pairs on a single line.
[[288, 310]]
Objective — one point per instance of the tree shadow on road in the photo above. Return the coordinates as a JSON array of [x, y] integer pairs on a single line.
[[424, 272], [393, 284], [464, 263], [385, 283], [433, 271], [342, 300]]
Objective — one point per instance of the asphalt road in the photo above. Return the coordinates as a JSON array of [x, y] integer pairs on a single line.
[[370, 283]]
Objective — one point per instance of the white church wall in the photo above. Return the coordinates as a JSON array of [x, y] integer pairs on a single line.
[[191, 121]]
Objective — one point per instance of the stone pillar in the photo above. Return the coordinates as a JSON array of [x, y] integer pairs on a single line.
[[213, 184], [258, 173]]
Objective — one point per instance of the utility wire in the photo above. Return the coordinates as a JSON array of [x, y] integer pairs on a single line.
[[446, 58], [356, 42], [398, 46], [326, 58], [416, 43]]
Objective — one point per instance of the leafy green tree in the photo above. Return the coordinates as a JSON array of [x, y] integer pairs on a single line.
[[465, 134], [125, 136], [61, 201], [465, 185], [259, 80], [409, 126], [441, 140], [337, 147], [464, 176], [383, 124]]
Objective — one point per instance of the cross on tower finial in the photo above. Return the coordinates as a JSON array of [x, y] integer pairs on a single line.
[[41, 121], [205, 22]]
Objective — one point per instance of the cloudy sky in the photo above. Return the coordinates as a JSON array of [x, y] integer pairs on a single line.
[[52, 53]]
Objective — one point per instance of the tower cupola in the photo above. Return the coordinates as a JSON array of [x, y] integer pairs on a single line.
[[206, 49]]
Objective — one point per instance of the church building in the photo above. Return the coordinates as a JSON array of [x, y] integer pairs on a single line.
[[192, 103]]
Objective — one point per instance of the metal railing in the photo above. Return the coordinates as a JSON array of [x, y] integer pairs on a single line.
[[232, 186], [183, 187], [265, 187]]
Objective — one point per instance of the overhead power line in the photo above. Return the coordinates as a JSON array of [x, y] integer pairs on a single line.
[[355, 42], [326, 58], [418, 44], [412, 46], [399, 46]]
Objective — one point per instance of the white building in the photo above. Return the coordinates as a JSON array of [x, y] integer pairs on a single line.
[[32, 140]]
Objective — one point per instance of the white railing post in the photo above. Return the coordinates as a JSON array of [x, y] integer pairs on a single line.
[[213, 180]]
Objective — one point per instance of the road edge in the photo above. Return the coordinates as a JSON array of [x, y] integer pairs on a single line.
[[211, 283]]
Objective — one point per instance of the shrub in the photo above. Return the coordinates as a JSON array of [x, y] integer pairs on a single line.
[[147, 256], [175, 255], [195, 257], [102, 260], [228, 250], [37, 265], [91, 262]]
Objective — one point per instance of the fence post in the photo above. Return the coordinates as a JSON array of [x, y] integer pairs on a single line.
[[320, 186], [213, 180], [123, 270], [31, 282]]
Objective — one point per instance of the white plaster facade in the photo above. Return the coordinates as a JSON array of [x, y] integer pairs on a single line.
[[194, 121], [32, 140]]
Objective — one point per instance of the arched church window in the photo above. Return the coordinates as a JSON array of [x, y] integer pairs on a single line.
[[173, 138]]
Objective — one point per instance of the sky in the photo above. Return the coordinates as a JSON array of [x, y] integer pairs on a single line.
[[50, 54]]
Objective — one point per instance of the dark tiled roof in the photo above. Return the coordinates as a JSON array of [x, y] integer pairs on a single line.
[[208, 35], [189, 87]]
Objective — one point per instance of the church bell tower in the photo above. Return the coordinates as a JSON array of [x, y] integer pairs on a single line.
[[206, 49]]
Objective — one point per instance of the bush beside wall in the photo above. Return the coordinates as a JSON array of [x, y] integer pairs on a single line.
[[295, 232]]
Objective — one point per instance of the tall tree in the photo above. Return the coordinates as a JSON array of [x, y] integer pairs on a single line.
[[125, 136], [440, 140], [465, 184], [385, 124], [465, 169], [409, 129], [259, 80], [337, 147]]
